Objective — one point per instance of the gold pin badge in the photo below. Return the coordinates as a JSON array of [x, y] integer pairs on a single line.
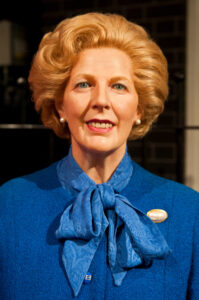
[[157, 215]]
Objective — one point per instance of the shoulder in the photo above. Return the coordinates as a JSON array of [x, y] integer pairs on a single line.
[[152, 181], [29, 185], [164, 190]]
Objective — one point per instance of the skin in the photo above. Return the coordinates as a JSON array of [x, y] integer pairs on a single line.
[[100, 90]]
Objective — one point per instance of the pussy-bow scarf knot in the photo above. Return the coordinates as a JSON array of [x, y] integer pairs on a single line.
[[133, 239]]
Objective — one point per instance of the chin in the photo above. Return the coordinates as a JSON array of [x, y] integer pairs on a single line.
[[103, 149], [99, 149]]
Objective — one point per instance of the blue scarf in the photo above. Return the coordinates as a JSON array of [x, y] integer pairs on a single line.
[[95, 208]]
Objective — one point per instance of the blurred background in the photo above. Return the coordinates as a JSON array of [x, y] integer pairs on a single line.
[[169, 150]]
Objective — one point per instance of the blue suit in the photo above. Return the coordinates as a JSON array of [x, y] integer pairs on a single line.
[[30, 254]]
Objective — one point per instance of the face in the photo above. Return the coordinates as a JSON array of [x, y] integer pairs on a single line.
[[100, 101]]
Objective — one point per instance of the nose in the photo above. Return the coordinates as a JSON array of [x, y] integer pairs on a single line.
[[100, 97]]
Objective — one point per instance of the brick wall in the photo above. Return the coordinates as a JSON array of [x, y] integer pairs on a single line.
[[161, 151]]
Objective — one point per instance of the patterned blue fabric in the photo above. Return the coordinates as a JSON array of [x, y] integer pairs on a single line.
[[133, 239]]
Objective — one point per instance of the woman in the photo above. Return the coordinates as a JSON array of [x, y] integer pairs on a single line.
[[85, 227]]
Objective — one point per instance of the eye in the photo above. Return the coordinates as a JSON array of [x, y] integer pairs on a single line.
[[83, 85], [119, 86]]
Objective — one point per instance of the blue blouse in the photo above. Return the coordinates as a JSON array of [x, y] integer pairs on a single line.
[[32, 245]]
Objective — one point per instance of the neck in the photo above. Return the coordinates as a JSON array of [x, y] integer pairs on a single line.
[[98, 166]]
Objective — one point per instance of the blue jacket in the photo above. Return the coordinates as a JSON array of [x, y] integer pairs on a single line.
[[31, 267]]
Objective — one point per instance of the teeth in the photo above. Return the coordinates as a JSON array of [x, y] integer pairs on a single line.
[[100, 125]]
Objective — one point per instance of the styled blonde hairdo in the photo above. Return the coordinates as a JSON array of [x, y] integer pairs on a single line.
[[58, 52]]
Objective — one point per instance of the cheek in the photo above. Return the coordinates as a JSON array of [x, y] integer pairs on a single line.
[[75, 106], [70, 109], [127, 109]]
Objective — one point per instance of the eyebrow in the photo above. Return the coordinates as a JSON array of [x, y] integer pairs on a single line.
[[92, 77], [118, 78], [86, 76]]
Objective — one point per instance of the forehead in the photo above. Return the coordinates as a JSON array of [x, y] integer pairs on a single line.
[[103, 60]]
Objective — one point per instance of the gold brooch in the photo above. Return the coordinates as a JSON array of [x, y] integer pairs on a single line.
[[157, 215]]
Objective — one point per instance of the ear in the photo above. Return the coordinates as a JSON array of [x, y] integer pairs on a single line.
[[137, 117], [139, 112], [60, 108]]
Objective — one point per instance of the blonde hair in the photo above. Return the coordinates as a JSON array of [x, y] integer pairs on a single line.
[[58, 52]]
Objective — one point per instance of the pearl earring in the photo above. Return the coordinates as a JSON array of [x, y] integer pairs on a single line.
[[138, 122], [62, 120]]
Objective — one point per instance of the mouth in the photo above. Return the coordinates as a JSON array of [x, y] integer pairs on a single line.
[[100, 125]]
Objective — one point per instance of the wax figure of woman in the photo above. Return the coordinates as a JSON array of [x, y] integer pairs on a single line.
[[96, 225]]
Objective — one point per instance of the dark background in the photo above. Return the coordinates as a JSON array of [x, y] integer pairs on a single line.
[[29, 147]]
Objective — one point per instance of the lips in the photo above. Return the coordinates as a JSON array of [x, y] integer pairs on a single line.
[[100, 125]]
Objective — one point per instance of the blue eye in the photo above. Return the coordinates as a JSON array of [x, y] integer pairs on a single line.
[[83, 85], [119, 86]]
